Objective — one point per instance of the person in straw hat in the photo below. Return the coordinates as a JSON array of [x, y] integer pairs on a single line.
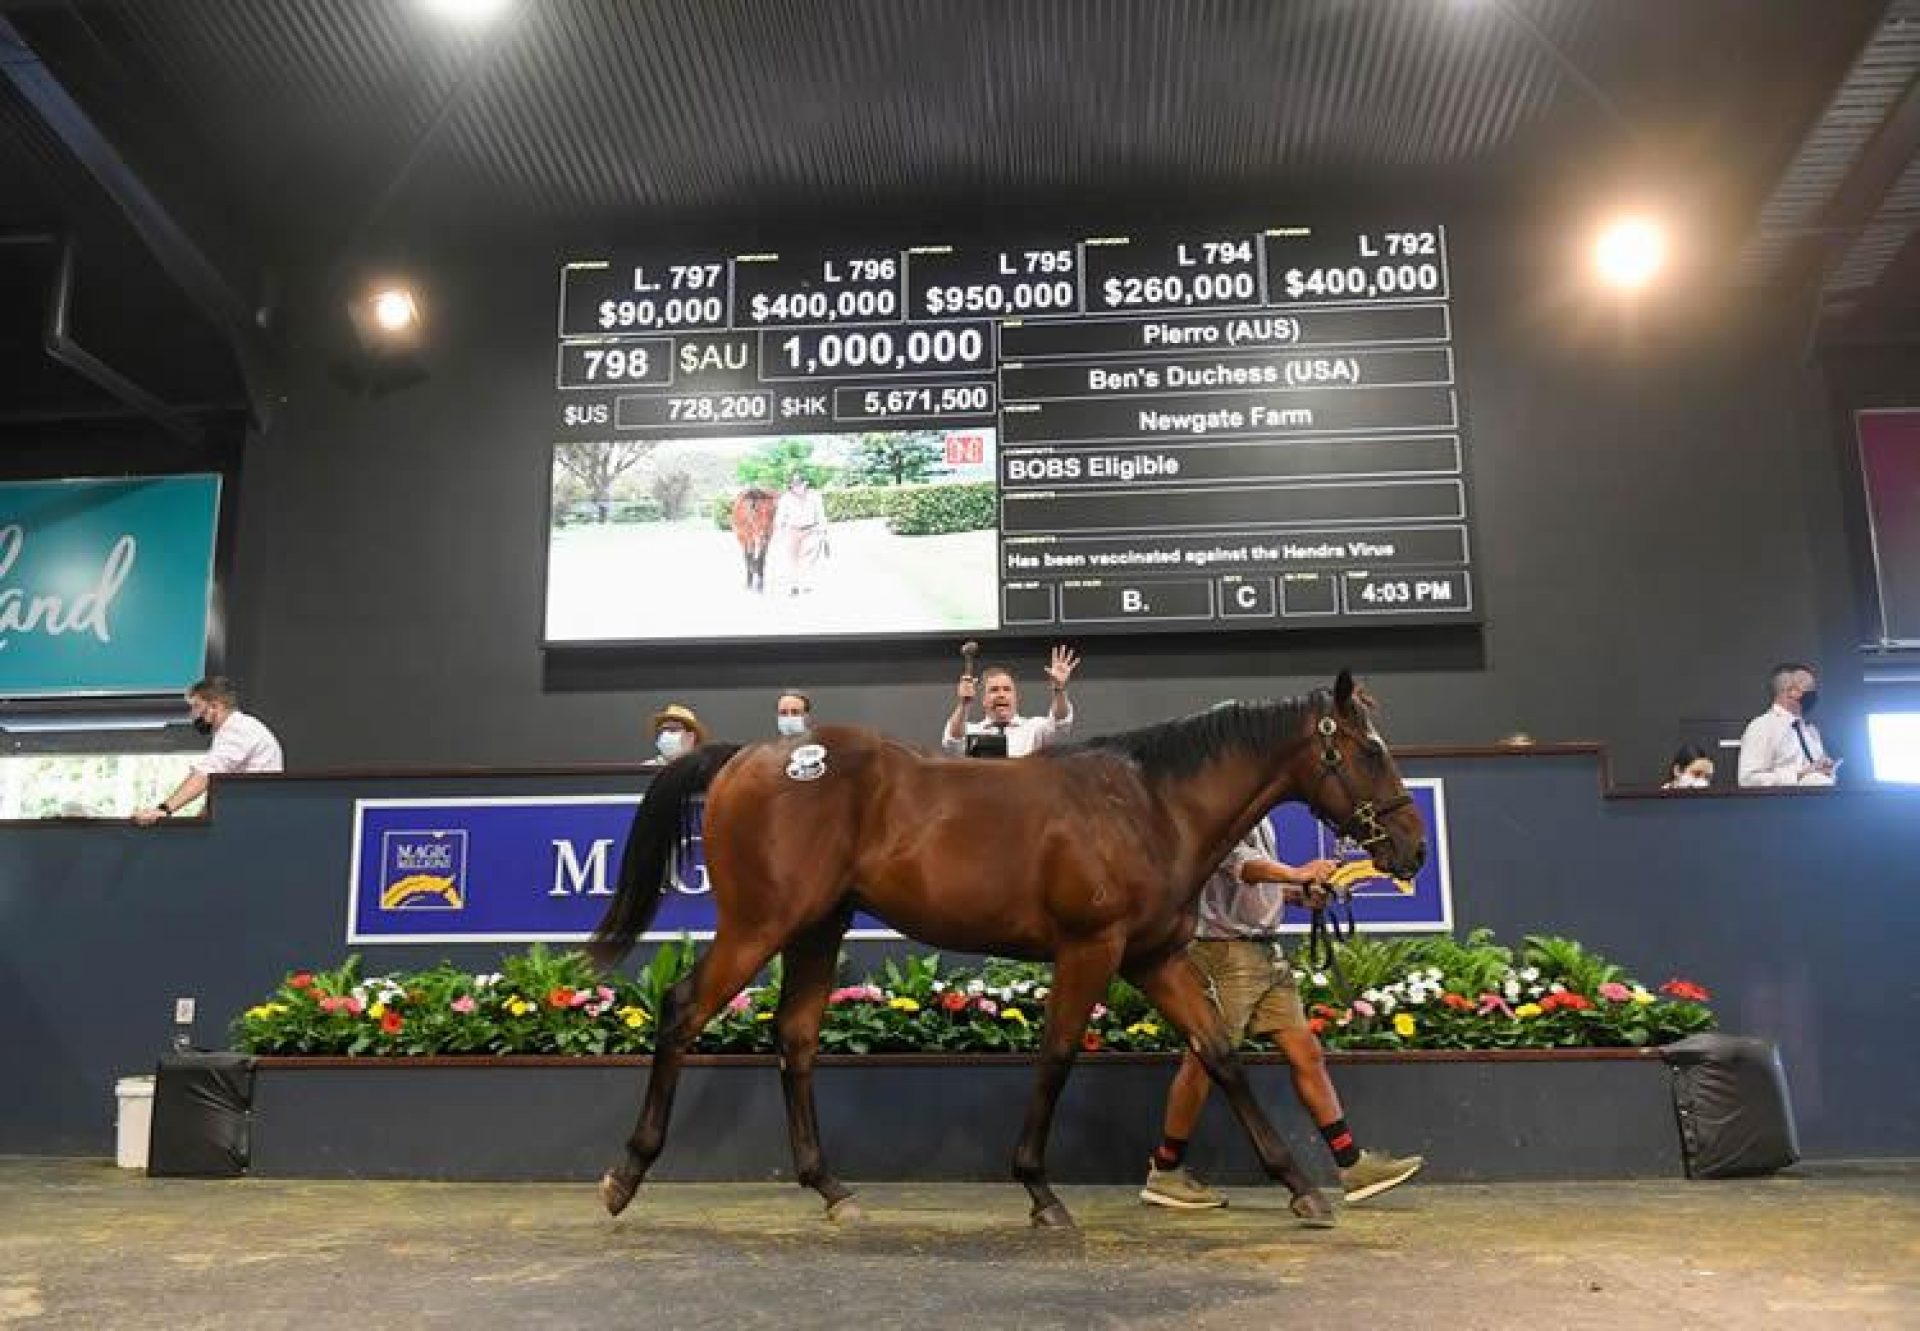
[[676, 730]]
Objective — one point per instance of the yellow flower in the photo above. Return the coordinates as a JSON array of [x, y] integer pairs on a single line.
[[904, 1005], [1014, 1015], [377, 1011], [1144, 1028], [260, 1013], [763, 1016], [1402, 1024], [1641, 996], [633, 1017], [518, 1006], [1527, 1010]]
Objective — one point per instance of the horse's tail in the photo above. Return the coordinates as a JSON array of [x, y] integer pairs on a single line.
[[660, 828]]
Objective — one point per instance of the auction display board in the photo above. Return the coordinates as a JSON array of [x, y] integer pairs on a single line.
[[1104, 433]]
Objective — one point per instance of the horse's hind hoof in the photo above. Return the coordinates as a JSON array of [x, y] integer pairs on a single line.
[[616, 1192], [1052, 1216], [846, 1211], [1314, 1210]]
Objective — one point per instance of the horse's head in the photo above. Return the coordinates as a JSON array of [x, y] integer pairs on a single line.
[[1349, 780]]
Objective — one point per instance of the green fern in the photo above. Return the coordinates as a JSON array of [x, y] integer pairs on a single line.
[[1571, 964]]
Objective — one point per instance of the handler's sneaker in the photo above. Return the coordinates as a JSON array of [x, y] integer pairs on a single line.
[[1375, 1172], [1178, 1188]]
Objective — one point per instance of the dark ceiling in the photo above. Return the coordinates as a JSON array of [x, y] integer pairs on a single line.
[[284, 138]]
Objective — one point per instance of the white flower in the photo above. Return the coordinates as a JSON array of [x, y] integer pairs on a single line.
[[1040, 994], [1371, 995], [1512, 990], [1388, 1002], [1434, 975], [1530, 974], [1023, 986], [976, 988], [939, 986], [1556, 988], [1319, 980]]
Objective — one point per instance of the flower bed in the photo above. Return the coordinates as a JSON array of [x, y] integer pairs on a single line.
[[1433, 993]]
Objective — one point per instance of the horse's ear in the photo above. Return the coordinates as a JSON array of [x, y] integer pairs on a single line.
[[1343, 693]]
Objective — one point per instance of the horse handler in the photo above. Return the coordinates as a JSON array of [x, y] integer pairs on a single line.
[[1251, 982]]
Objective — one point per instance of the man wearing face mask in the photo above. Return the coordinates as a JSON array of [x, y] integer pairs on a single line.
[[676, 730], [241, 743], [793, 713], [1781, 746]]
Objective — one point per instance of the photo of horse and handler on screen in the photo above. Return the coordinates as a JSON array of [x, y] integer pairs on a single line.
[[773, 536]]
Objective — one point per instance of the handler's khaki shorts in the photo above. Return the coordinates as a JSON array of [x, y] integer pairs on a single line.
[[1251, 984]]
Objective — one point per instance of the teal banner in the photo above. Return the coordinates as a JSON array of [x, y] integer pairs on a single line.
[[105, 585]]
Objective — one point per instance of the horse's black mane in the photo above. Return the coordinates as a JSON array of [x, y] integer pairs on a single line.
[[1182, 747]]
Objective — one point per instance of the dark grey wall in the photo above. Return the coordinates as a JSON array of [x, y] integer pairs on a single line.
[[1658, 521]]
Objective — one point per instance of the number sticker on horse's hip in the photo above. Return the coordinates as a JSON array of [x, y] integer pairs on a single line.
[[808, 762]]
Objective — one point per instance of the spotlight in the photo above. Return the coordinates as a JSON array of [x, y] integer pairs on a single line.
[[467, 11], [394, 310], [1629, 253]]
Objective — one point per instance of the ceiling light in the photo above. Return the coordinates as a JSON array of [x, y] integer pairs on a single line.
[[394, 310], [1629, 253], [467, 11]]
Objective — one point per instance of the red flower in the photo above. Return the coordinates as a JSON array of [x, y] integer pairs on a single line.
[[1090, 1041], [301, 980], [1322, 1010], [1577, 1002], [1457, 1003], [1316, 1024], [1686, 989], [1552, 1003], [561, 997], [391, 1022], [953, 1001]]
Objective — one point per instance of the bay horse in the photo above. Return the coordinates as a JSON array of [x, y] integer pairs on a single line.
[[753, 510], [1090, 855]]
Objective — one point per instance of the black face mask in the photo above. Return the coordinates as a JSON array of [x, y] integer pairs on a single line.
[[204, 726], [1808, 701]]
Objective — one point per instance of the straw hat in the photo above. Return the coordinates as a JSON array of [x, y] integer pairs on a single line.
[[680, 712]]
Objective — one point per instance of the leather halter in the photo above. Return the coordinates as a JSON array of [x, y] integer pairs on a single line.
[[1363, 826]]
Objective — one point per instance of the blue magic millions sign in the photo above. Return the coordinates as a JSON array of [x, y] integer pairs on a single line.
[[105, 585], [522, 869]]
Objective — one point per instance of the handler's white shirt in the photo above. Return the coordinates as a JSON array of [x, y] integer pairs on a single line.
[[241, 744], [1770, 753], [1025, 734]]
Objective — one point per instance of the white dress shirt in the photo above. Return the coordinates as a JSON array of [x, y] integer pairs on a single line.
[[1770, 752], [241, 744], [1025, 734]]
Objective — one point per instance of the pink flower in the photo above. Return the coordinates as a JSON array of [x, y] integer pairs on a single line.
[[986, 1005], [606, 994], [333, 1003], [1099, 1011], [464, 1004], [1615, 992], [1362, 1008], [1490, 1003], [740, 1002], [353, 1005]]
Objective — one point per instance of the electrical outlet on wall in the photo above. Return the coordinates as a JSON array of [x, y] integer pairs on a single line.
[[183, 1011]]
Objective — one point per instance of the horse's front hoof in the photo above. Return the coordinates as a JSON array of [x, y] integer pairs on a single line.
[[1314, 1210], [1052, 1216], [616, 1192], [846, 1211]]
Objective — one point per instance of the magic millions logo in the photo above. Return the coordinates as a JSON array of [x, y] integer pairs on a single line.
[[423, 871]]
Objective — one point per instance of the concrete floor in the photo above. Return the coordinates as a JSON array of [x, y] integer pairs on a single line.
[[84, 1245]]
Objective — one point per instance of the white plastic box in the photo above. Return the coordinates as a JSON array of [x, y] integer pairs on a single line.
[[133, 1123]]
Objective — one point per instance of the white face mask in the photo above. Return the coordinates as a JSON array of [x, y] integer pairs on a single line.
[[670, 743], [791, 725]]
